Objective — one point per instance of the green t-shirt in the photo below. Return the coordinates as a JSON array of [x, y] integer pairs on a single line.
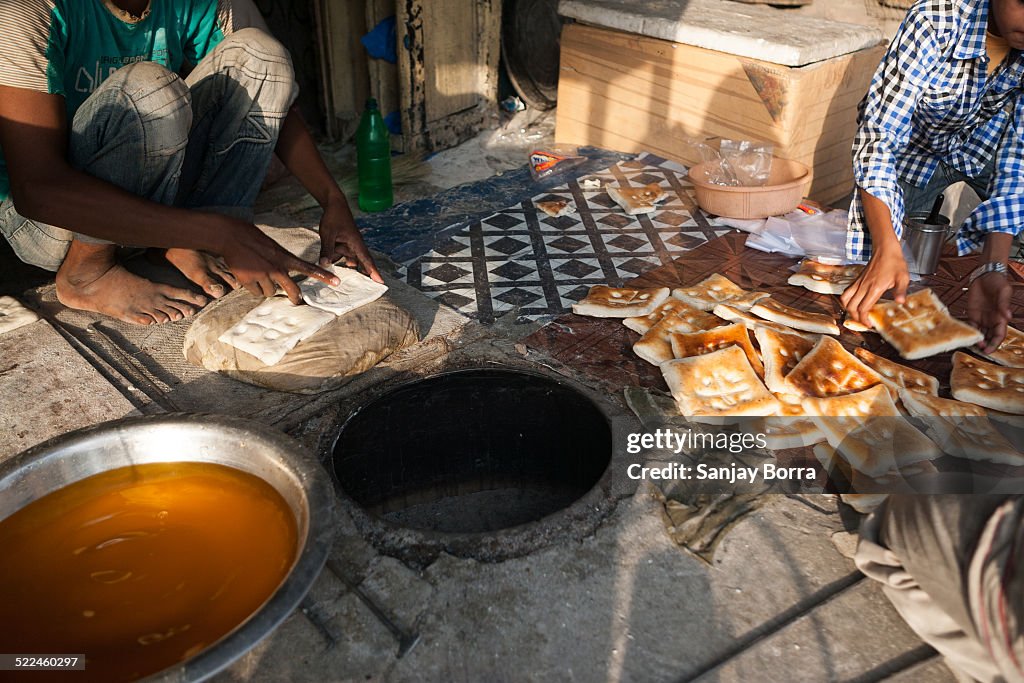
[[69, 47]]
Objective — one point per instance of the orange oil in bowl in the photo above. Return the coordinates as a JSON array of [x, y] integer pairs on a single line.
[[141, 567]]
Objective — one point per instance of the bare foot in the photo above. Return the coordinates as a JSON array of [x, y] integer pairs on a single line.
[[206, 270], [91, 280]]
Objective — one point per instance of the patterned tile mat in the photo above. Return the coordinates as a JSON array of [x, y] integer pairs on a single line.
[[521, 257]]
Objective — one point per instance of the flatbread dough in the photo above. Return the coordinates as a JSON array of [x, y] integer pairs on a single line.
[[637, 200], [556, 207], [14, 315], [354, 290], [1011, 352], [780, 353], [777, 312], [696, 318], [987, 384], [686, 344], [830, 370], [921, 326], [718, 289], [273, 328], [868, 432], [718, 384], [620, 302], [823, 278], [896, 376]]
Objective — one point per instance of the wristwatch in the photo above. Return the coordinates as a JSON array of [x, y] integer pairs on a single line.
[[986, 268]]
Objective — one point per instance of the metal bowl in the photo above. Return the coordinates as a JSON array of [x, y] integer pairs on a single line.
[[237, 443]]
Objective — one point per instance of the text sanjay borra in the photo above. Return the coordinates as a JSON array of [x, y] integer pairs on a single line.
[[725, 473]]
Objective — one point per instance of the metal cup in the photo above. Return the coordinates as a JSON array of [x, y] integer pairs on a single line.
[[926, 236]]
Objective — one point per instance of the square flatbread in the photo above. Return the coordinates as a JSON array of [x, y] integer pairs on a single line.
[[655, 346], [353, 290], [727, 312], [1011, 352], [770, 309], [987, 384], [823, 278], [686, 344], [780, 353], [961, 429], [13, 315], [620, 302], [636, 200], [273, 328], [921, 326], [696, 318], [896, 376], [717, 384], [790, 428], [868, 432], [829, 370], [556, 207], [718, 289]]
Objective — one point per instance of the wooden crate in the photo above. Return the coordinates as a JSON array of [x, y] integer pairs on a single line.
[[632, 93]]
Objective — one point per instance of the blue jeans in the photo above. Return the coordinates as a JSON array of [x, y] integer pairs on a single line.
[[204, 142], [921, 199]]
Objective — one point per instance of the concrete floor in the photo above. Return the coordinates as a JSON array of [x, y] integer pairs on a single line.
[[600, 593]]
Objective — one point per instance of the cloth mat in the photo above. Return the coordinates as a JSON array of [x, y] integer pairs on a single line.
[[521, 258]]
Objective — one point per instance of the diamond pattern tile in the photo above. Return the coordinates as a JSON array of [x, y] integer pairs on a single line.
[[628, 243], [507, 245], [567, 244], [616, 220], [447, 273], [517, 296], [511, 270], [502, 221], [577, 268]]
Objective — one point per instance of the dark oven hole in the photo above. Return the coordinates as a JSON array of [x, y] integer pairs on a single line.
[[472, 451]]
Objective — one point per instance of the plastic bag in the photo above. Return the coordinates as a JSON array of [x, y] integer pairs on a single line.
[[546, 162], [735, 162]]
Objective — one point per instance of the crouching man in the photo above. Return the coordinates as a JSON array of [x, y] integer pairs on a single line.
[[152, 123]]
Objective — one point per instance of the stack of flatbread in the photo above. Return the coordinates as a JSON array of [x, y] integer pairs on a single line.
[[824, 278]]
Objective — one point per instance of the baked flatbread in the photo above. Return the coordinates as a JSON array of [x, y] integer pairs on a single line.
[[961, 429], [780, 353], [636, 200], [696, 318], [896, 376], [987, 384], [770, 309], [655, 346], [727, 312], [823, 278], [1011, 352], [620, 302], [854, 326], [686, 344], [720, 383], [921, 326], [829, 370], [556, 207], [790, 428], [13, 315], [868, 432], [718, 289]]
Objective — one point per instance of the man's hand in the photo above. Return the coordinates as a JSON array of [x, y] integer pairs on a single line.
[[340, 239], [261, 265], [988, 308], [886, 270]]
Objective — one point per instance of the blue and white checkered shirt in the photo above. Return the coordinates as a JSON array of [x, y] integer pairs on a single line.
[[930, 101]]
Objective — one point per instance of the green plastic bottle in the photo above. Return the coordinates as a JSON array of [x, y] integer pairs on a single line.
[[373, 151]]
